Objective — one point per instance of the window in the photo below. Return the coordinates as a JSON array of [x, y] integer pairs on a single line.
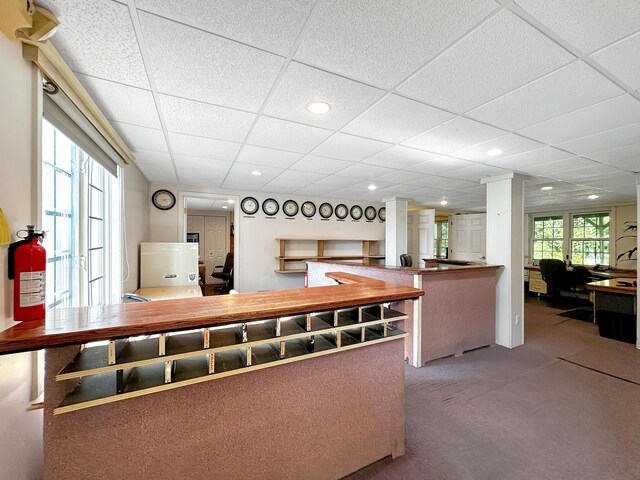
[[590, 239], [79, 197], [548, 237], [441, 238]]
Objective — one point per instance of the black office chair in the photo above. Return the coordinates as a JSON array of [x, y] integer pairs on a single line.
[[405, 260], [561, 282], [226, 272]]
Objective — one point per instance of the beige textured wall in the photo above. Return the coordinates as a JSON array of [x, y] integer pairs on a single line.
[[136, 215], [20, 431]]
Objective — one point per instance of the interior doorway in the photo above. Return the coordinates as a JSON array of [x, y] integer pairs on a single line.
[[209, 220]]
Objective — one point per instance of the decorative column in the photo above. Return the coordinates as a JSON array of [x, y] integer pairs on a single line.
[[505, 246], [395, 229]]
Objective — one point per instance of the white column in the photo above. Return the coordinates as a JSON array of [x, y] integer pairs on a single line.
[[638, 262], [395, 229], [505, 228]]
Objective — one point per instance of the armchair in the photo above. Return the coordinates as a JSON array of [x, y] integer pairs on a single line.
[[225, 274], [561, 282]]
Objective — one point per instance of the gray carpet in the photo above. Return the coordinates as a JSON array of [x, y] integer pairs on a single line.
[[566, 405]]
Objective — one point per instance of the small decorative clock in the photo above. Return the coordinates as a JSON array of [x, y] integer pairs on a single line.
[[356, 212], [270, 206], [342, 211], [308, 209], [326, 210], [290, 208], [370, 213], [382, 214], [163, 199], [249, 205]]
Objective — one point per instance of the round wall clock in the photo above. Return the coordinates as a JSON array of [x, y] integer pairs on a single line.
[[326, 210], [249, 205], [308, 209], [163, 199], [370, 213], [356, 212], [382, 214], [290, 208], [342, 211], [270, 206]]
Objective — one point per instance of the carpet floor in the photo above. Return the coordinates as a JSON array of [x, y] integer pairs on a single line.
[[566, 405]]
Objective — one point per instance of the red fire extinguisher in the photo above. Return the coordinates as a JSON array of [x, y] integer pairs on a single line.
[[27, 268]]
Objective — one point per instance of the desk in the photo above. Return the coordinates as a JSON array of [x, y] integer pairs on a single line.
[[619, 301], [170, 293], [539, 286]]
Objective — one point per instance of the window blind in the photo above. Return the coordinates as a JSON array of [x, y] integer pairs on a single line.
[[65, 116]]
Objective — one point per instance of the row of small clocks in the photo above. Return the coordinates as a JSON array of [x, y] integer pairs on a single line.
[[290, 208]]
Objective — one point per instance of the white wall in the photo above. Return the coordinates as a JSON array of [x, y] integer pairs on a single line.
[[136, 213], [20, 431], [255, 258]]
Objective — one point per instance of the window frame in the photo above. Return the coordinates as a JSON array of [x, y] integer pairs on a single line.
[[544, 239], [583, 240]]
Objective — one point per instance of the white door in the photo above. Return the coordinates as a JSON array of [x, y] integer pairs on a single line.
[[215, 242], [426, 221], [469, 241]]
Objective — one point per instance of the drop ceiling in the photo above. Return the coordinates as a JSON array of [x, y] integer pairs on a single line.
[[204, 93]]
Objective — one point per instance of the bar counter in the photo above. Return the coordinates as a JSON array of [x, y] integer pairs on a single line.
[[302, 383], [456, 314]]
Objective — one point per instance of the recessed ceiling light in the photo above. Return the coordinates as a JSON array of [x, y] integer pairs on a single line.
[[224, 206], [257, 173], [230, 201], [318, 107], [443, 202], [494, 151], [547, 188], [372, 187], [593, 197]]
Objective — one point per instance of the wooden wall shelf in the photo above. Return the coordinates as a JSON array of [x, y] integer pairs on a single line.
[[129, 368], [319, 245]]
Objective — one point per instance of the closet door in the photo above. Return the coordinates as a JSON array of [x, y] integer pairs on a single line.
[[215, 241]]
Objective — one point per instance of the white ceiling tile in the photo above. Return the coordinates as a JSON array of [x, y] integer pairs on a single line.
[[294, 176], [533, 158], [477, 172], [315, 189], [382, 42], [276, 186], [122, 103], [586, 24], [395, 119], [182, 144], [219, 71], [626, 157], [607, 115], [301, 85], [399, 157], [141, 137], [96, 37], [399, 176], [560, 166], [313, 163], [570, 88], [194, 118], [363, 171], [269, 24], [242, 171], [441, 165], [337, 181], [621, 59], [455, 184], [510, 144], [158, 173], [504, 53], [200, 178], [267, 156], [207, 166], [152, 157], [619, 137], [454, 135], [293, 137], [349, 147], [575, 175], [431, 181]]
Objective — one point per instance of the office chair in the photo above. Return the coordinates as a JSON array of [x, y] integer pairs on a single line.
[[405, 260], [561, 282], [226, 274]]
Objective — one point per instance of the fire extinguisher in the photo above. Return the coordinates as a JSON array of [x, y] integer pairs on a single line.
[[27, 268]]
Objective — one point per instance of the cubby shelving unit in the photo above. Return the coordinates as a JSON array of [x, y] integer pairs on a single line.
[[320, 246], [132, 367]]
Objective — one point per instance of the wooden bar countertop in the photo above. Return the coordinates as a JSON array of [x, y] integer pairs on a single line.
[[435, 269], [89, 324]]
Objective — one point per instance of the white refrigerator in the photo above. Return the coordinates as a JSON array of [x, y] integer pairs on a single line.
[[168, 264]]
